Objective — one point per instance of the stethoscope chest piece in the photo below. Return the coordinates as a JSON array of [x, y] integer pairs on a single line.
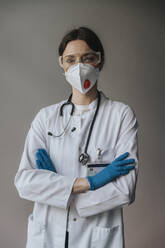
[[83, 158]]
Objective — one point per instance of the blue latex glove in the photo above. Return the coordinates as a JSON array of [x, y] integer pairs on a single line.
[[112, 171], [44, 161]]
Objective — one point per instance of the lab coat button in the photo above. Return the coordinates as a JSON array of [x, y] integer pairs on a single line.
[[74, 219]]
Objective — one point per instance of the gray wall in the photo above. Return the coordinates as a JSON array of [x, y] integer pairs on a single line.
[[133, 36]]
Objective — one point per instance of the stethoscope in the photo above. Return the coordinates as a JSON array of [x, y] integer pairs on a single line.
[[84, 157]]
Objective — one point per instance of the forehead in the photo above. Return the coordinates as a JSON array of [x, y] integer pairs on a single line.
[[76, 46]]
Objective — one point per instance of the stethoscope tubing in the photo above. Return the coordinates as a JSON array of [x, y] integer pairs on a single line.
[[84, 157]]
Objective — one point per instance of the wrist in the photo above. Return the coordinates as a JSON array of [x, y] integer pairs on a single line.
[[81, 185], [92, 187], [86, 183]]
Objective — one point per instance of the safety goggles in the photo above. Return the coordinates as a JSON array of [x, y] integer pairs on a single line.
[[92, 58]]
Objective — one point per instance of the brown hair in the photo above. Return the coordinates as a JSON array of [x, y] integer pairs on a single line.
[[86, 34]]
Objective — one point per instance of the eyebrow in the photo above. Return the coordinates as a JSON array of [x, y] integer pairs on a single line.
[[72, 55], [69, 55]]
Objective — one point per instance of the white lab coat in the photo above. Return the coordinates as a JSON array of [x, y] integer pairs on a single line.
[[95, 218]]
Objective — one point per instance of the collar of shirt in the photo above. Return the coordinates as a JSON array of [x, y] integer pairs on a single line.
[[81, 109], [85, 109]]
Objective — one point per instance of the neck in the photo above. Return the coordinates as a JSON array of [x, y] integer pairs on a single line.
[[84, 99]]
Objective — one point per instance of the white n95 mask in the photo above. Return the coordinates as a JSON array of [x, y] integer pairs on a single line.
[[82, 76]]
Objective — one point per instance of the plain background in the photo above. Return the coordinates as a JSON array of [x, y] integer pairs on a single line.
[[133, 36]]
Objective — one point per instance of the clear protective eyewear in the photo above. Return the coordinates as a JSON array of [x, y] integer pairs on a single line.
[[92, 58]]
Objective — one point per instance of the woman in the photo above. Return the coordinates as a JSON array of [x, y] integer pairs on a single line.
[[79, 168]]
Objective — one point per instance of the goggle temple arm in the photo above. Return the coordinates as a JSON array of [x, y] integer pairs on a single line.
[[60, 62], [99, 54]]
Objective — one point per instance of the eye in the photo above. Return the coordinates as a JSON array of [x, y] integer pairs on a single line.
[[69, 60], [90, 58]]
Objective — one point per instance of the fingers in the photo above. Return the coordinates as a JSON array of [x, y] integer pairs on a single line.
[[125, 169], [40, 158], [43, 155], [45, 159], [122, 173], [124, 162], [39, 165], [123, 156], [129, 167], [43, 151]]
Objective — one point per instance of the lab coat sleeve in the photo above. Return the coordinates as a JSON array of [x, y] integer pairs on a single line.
[[120, 191], [41, 185]]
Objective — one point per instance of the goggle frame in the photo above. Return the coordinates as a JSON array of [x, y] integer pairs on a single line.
[[98, 53]]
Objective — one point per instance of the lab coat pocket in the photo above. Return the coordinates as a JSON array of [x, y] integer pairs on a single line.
[[100, 158], [106, 237], [35, 233]]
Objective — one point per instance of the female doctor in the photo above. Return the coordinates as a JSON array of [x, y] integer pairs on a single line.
[[80, 160]]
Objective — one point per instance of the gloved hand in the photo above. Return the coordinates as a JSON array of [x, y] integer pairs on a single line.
[[44, 161], [110, 172]]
